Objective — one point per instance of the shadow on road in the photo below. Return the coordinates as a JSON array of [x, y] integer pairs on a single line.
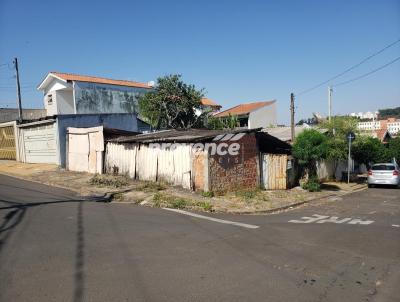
[[14, 213]]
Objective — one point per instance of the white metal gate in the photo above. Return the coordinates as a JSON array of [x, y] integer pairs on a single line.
[[40, 144]]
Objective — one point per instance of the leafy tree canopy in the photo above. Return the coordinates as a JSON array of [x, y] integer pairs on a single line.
[[339, 126], [394, 149], [172, 104], [368, 150], [309, 147]]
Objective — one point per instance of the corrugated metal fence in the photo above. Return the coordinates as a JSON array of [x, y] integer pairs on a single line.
[[173, 166], [274, 171]]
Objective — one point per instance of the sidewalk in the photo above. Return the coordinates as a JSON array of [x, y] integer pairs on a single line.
[[124, 190]]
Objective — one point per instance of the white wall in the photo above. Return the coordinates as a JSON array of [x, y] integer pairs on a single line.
[[263, 117], [52, 89], [65, 102]]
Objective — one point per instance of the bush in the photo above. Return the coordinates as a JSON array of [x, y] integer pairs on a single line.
[[309, 147], [312, 185]]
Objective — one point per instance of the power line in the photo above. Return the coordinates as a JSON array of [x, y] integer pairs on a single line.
[[349, 69], [367, 74]]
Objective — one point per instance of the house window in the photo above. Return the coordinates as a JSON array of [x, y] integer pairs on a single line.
[[49, 99]]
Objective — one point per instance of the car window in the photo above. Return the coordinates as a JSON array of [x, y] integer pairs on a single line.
[[383, 167]]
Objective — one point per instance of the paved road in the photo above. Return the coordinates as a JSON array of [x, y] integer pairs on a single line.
[[54, 247]]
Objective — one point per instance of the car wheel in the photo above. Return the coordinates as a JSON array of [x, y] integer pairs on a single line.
[[370, 186]]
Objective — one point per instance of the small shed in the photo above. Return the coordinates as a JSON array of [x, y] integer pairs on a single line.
[[200, 159], [85, 147]]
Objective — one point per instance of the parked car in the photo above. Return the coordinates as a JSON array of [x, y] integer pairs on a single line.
[[384, 174]]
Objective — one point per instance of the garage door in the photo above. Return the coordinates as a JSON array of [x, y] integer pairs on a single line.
[[40, 144], [7, 143]]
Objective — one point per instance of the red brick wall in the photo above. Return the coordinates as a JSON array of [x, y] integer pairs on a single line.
[[231, 173]]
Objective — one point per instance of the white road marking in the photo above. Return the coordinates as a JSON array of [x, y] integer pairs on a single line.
[[244, 225], [333, 219], [396, 225]]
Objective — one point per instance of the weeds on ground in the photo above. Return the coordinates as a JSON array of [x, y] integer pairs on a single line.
[[247, 194], [206, 206], [207, 194], [175, 202], [151, 187], [118, 197], [108, 181]]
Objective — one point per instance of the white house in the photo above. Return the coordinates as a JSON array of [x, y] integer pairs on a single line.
[[66, 93], [369, 125], [253, 115], [365, 115], [393, 127]]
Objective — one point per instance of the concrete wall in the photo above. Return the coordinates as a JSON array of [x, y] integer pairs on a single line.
[[263, 117], [325, 169], [123, 121], [231, 173], [104, 98], [65, 101]]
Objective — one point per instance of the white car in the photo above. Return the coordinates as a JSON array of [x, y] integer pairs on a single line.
[[384, 174]]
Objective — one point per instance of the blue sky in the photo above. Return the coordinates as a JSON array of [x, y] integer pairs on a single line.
[[238, 51]]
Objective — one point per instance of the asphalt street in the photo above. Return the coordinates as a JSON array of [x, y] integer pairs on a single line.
[[56, 247]]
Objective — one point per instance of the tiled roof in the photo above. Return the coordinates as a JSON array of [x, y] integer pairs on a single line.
[[244, 109], [209, 102], [381, 134], [90, 79]]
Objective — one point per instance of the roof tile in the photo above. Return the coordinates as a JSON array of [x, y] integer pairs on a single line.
[[244, 108], [90, 79]]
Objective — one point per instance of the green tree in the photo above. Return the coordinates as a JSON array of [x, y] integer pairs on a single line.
[[172, 104], [394, 149], [336, 132], [229, 122], [339, 126], [368, 150], [336, 151], [309, 147]]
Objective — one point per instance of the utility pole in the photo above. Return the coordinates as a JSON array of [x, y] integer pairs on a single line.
[[292, 117], [329, 102], [18, 90], [350, 137]]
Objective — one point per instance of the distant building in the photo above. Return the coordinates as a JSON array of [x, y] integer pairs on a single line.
[[391, 125], [66, 93], [369, 125], [365, 115], [253, 115]]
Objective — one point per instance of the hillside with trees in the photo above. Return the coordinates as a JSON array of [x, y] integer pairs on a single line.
[[389, 112]]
